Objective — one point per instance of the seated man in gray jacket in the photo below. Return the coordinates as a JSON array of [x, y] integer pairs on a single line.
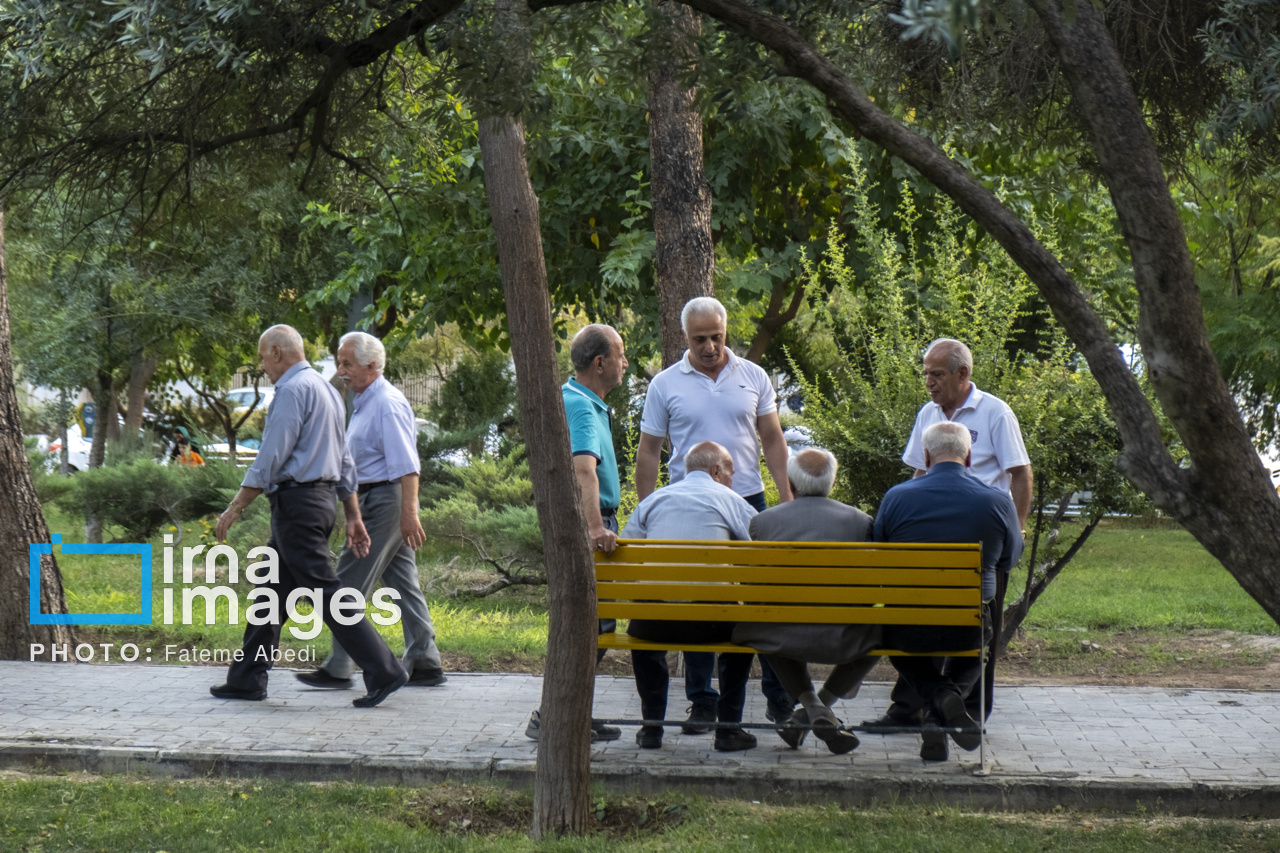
[[813, 517]]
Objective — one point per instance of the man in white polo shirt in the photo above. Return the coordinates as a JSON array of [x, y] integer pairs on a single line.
[[998, 459], [710, 394]]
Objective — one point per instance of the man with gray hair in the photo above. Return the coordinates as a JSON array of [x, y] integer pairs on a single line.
[[700, 506], [813, 517], [999, 459], [948, 505], [382, 438], [711, 394], [302, 464]]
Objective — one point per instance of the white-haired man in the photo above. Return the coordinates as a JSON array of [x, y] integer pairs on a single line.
[[789, 647], [948, 505], [382, 437], [711, 394], [701, 506], [999, 459], [302, 463]]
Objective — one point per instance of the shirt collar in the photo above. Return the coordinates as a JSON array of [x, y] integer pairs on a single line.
[[686, 366], [374, 389], [699, 475], [578, 388], [292, 372], [970, 402]]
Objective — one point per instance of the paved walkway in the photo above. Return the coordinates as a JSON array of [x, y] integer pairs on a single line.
[[1212, 752]]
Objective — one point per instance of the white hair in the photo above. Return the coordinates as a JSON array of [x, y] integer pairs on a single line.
[[957, 354], [704, 456], [367, 349], [284, 337], [947, 441], [701, 306], [812, 471]]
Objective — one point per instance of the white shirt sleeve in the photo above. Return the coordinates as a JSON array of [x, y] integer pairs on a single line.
[[655, 418], [1006, 438], [768, 397]]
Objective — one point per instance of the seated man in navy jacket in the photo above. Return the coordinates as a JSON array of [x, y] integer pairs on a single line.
[[947, 505]]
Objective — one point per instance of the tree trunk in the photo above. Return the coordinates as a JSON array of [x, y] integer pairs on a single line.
[[775, 316], [562, 790], [21, 521], [685, 256], [1224, 498], [141, 369]]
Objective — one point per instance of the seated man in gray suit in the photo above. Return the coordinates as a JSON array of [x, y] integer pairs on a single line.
[[813, 517]]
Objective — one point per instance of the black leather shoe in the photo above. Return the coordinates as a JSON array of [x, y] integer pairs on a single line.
[[889, 721], [321, 678], [734, 740], [649, 737], [793, 732], [779, 712], [838, 739], [600, 731], [700, 719], [427, 677], [377, 694], [933, 746], [226, 691], [951, 707]]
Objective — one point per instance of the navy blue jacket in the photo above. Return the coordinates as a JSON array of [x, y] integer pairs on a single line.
[[948, 505]]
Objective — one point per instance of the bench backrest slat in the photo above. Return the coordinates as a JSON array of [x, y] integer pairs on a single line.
[[965, 596], [796, 554], [732, 612], [834, 576]]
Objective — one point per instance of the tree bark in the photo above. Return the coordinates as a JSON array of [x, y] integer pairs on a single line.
[[141, 369], [562, 782], [21, 521], [1224, 498], [685, 256]]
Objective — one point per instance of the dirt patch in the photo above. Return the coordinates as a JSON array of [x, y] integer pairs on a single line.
[[463, 810]]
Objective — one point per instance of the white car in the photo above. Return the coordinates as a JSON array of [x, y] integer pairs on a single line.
[[245, 454], [242, 398], [78, 448]]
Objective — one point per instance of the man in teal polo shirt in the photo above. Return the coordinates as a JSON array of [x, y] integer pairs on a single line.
[[599, 363]]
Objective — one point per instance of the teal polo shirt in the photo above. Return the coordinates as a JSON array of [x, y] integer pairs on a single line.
[[591, 434]]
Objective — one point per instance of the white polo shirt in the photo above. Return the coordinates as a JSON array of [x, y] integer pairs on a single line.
[[688, 407], [993, 427]]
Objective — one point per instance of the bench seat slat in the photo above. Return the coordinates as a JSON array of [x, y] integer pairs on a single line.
[[780, 594], [889, 577], [873, 557], [626, 642], [692, 612]]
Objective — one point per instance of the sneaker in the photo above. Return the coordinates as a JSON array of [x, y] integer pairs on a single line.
[[701, 719], [427, 676], [649, 737], [779, 712], [734, 740], [599, 731]]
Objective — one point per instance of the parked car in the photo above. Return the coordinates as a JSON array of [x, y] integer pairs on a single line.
[[246, 452], [242, 398], [78, 448]]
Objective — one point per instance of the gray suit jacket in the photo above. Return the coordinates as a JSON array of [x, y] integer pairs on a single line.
[[810, 519]]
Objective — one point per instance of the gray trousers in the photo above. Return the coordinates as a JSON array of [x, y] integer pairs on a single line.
[[389, 563]]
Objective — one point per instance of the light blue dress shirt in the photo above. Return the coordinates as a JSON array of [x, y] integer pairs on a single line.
[[304, 436], [382, 435], [697, 507]]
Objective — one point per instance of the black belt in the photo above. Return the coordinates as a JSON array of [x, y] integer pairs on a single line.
[[309, 484], [364, 487], [608, 512]]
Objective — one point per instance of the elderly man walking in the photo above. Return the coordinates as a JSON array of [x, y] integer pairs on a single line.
[[999, 459], [382, 437], [302, 462], [947, 505], [712, 395], [700, 506], [813, 517]]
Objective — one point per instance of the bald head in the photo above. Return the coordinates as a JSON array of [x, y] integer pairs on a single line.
[[812, 472], [279, 349], [711, 458]]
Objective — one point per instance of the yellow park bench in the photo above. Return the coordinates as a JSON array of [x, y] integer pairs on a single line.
[[871, 583]]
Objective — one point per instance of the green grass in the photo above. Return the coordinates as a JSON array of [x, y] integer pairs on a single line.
[[127, 814], [1144, 578]]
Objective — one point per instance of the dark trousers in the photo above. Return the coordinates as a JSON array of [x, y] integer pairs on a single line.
[[301, 520], [653, 678], [907, 704], [698, 666]]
